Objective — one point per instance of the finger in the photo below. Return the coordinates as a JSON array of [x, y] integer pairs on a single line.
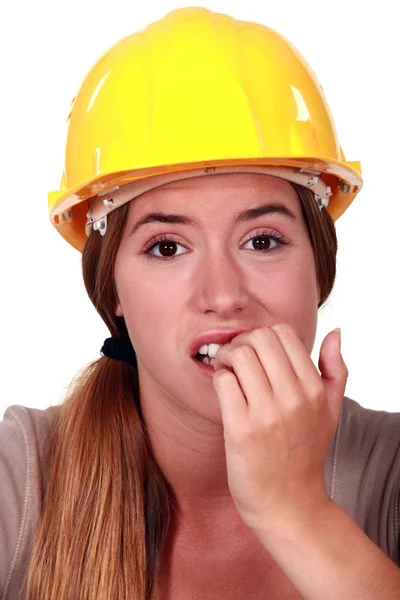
[[251, 377], [300, 362], [334, 373], [231, 399], [284, 384]]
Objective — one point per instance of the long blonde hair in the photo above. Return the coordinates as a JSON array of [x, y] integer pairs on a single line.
[[106, 504]]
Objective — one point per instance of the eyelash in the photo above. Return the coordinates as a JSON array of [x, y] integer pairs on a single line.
[[162, 238]]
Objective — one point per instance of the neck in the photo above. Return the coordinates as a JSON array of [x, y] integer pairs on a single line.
[[190, 451]]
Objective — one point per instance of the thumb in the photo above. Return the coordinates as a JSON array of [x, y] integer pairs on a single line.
[[334, 372]]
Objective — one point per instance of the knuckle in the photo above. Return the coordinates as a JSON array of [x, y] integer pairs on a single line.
[[345, 371], [223, 376], [259, 335], [316, 392], [245, 433], [297, 403], [279, 327], [242, 353], [273, 420]]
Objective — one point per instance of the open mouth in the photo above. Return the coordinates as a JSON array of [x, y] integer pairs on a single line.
[[206, 353], [204, 348]]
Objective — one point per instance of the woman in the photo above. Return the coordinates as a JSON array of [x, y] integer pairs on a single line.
[[203, 455]]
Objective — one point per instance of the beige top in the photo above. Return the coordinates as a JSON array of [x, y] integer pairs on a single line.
[[362, 475]]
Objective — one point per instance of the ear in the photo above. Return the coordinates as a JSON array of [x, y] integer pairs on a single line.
[[118, 309], [117, 306]]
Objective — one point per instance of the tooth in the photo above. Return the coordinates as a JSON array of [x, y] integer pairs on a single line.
[[212, 350], [206, 360], [203, 349], [212, 361]]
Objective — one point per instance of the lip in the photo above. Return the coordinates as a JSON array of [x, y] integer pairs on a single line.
[[207, 370], [214, 336]]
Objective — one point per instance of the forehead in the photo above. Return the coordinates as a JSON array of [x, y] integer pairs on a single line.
[[236, 190]]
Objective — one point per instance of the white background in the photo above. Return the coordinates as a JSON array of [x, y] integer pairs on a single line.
[[49, 328]]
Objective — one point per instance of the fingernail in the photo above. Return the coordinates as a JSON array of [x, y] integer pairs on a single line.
[[338, 329]]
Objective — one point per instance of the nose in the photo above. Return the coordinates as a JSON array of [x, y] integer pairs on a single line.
[[220, 285]]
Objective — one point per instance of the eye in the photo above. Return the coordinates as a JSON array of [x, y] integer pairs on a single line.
[[167, 249], [265, 241], [163, 248]]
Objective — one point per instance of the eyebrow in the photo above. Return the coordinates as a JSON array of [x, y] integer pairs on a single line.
[[246, 215]]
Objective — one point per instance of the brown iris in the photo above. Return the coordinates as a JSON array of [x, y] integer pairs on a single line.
[[167, 248], [261, 243]]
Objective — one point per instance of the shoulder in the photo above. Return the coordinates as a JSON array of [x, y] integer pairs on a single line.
[[23, 436], [27, 423], [366, 440], [367, 437], [356, 418], [366, 472]]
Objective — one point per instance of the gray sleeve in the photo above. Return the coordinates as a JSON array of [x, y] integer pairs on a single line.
[[366, 470], [22, 433]]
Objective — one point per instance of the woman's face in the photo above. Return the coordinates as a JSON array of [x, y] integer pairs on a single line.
[[210, 255]]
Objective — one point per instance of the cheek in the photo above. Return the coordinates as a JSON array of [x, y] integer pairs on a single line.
[[148, 305], [291, 296]]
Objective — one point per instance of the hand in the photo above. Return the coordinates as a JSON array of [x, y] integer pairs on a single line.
[[279, 417]]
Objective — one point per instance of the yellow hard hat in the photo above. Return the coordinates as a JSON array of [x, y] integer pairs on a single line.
[[199, 92]]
